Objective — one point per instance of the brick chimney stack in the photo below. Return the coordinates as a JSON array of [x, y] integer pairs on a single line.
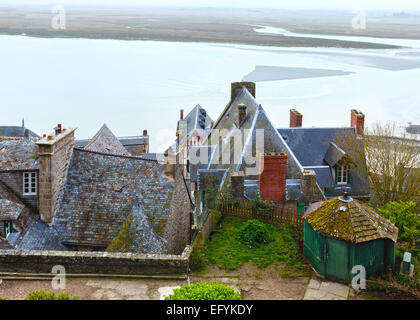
[[181, 116], [272, 177], [357, 121], [54, 153], [295, 119], [241, 114], [145, 132]]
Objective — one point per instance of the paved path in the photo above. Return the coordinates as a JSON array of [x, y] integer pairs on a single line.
[[326, 290]]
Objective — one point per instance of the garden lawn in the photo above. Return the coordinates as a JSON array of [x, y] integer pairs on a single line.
[[228, 253]]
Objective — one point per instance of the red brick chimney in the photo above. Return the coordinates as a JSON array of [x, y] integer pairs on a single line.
[[357, 121], [272, 177], [295, 118], [181, 116], [241, 114]]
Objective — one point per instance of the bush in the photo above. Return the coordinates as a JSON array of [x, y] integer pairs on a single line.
[[210, 198], [197, 260], [205, 291], [42, 295], [262, 207], [254, 233], [404, 217]]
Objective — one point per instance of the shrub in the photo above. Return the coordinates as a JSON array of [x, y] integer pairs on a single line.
[[42, 295], [211, 197], [197, 260], [403, 215], [204, 291], [262, 207], [254, 233]]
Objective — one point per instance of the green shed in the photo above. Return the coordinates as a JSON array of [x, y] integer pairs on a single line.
[[343, 232]]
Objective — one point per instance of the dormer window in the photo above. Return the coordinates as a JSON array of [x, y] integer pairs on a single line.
[[342, 174], [29, 183]]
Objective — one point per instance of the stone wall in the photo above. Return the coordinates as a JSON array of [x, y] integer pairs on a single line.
[[310, 188], [178, 227], [95, 262], [54, 158]]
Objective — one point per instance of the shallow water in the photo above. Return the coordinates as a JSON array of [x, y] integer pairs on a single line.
[[136, 85]]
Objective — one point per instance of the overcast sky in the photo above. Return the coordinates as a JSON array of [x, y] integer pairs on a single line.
[[308, 4]]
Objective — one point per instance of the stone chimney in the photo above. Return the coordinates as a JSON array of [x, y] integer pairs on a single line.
[[54, 153], [295, 119], [241, 114], [272, 177], [235, 87], [310, 189], [237, 184], [357, 121], [145, 133]]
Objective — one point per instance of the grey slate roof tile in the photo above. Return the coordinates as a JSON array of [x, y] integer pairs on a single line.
[[99, 193], [146, 240], [17, 131], [106, 142], [10, 210], [19, 154]]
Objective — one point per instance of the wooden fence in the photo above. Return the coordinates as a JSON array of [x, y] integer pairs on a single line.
[[276, 215]]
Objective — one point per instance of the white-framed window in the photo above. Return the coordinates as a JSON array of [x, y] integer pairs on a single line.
[[7, 228], [29, 183], [343, 174]]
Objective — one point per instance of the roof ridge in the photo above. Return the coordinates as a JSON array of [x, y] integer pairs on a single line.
[[114, 155]]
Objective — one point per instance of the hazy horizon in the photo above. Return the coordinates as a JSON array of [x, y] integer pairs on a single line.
[[398, 5]]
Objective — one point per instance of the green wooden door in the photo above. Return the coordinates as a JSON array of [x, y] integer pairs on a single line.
[[337, 259]]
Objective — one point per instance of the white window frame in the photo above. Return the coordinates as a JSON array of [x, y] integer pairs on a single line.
[[7, 229], [343, 174], [30, 183]]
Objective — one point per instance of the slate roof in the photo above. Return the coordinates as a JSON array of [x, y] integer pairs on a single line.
[[153, 157], [198, 118], [145, 238], [333, 154], [19, 154], [99, 193], [351, 221], [127, 142], [310, 145], [106, 142], [16, 131], [293, 189], [10, 210], [36, 235], [256, 119], [324, 176]]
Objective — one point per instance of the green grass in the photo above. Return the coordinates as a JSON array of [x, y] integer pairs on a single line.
[[227, 252]]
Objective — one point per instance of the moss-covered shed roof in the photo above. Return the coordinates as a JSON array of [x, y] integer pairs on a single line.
[[350, 221]]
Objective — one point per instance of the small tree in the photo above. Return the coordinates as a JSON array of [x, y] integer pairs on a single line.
[[405, 219], [387, 161]]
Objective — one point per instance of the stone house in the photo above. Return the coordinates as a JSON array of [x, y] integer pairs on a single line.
[[55, 196], [292, 166]]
